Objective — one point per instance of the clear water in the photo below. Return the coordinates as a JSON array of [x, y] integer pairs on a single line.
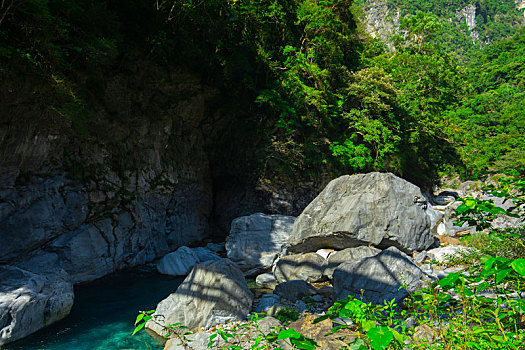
[[103, 315]]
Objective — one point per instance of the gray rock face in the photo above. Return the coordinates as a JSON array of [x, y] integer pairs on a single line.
[[307, 267], [294, 290], [376, 208], [435, 216], [30, 301], [347, 255], [215, 292], [379, 276], [266, 302], [266, 280], [181, 261], [255, 241]]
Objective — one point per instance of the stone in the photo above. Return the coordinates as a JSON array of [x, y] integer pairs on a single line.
[[308, 267], [266, 280], [325, 253], [266, 302], [380, 209], [31, 301], [348, 254], [216, 247], [446, 240], [255, 241], [421, 257], [424, 333], [204, 254], [178, 263], [321, 333], [445, 197], [383, 277], [244, 337], [435, 216], [294, 290], [447, 228], [215, 292], [181, 261], [444, 254]]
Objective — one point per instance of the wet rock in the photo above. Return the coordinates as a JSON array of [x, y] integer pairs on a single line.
[[215, 292], [376, 208]]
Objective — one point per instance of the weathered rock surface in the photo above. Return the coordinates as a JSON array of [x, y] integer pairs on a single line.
[[215, 292], [255, 241], [30, 301], [376, 208], [181, 261], [380, 277], [307, 267], [349, 254], [294, 290]]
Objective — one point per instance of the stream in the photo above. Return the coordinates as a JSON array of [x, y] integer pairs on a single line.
[[103, 314]]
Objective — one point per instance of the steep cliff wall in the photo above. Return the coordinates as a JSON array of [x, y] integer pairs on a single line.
[[127, 181]]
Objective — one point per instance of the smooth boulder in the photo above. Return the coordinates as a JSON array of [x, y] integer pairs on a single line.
[[307, 267], [31, 301], [383, 277], [255, 241], [215, 292], [181, 261], [349, 254], [375, 208]]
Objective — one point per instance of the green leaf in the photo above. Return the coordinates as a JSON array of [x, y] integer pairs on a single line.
[[519, 266], [381, 337], [138, 328], [139, 318], [289, 333], [358, 344], [303, 344], [501, 275]]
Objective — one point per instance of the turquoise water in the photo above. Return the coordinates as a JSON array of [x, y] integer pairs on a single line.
[[103, 315]]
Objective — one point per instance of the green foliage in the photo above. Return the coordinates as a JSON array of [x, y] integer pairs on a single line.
[[287, 315]]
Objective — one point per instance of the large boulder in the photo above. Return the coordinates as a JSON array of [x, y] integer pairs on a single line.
[[181, 261], [307, 267], [376, 208], [215, 292], [349, 254], [255, 241], [383, 277], [30, 301]]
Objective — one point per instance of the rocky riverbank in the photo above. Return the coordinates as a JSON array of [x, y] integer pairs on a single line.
[[374, 236]]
